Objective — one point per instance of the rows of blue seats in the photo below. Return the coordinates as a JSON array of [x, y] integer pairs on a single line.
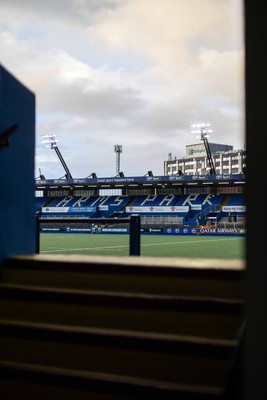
[[140, 201], [107, 206]]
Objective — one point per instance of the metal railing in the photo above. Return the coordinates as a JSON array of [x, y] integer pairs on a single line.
[[133, 221]]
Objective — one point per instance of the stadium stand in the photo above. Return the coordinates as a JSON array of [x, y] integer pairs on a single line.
[[155, 211]]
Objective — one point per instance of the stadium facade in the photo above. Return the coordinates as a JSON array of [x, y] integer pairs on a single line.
[[226, 160], [178, 202]]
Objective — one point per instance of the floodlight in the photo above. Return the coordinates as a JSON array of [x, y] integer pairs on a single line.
[[203, 130], [118, 151], [51, 141]]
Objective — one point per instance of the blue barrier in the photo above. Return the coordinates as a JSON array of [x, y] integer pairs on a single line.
[[133, 222]]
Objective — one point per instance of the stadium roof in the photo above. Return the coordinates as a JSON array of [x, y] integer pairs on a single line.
[[141, 181]]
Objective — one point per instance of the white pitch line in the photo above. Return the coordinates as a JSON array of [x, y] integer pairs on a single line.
[[85, 248], [124, 246]]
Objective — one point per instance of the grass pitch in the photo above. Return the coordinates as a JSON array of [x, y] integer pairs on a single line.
[[223, 247]]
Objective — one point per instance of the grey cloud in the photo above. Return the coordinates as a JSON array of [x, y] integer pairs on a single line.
[[107, 103]]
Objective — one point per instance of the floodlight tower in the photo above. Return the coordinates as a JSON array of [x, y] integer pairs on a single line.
[[203, 130], [118, 151], [51, 142]]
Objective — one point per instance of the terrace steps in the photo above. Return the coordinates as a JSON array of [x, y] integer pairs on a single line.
[[118, 328]]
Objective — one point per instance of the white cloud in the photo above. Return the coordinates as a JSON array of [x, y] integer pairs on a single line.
[[137, 73]]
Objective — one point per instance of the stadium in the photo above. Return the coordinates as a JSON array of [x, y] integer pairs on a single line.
[[171, 205]]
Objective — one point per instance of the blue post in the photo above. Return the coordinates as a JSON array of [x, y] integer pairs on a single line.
[[135, 235], [37, 235]]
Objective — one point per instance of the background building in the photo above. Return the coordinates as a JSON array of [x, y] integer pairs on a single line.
[[226, 160]]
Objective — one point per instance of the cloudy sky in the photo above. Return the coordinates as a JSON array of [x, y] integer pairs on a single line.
[[132, 72]]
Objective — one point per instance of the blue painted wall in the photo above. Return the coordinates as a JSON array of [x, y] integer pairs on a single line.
[[17, 218]]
